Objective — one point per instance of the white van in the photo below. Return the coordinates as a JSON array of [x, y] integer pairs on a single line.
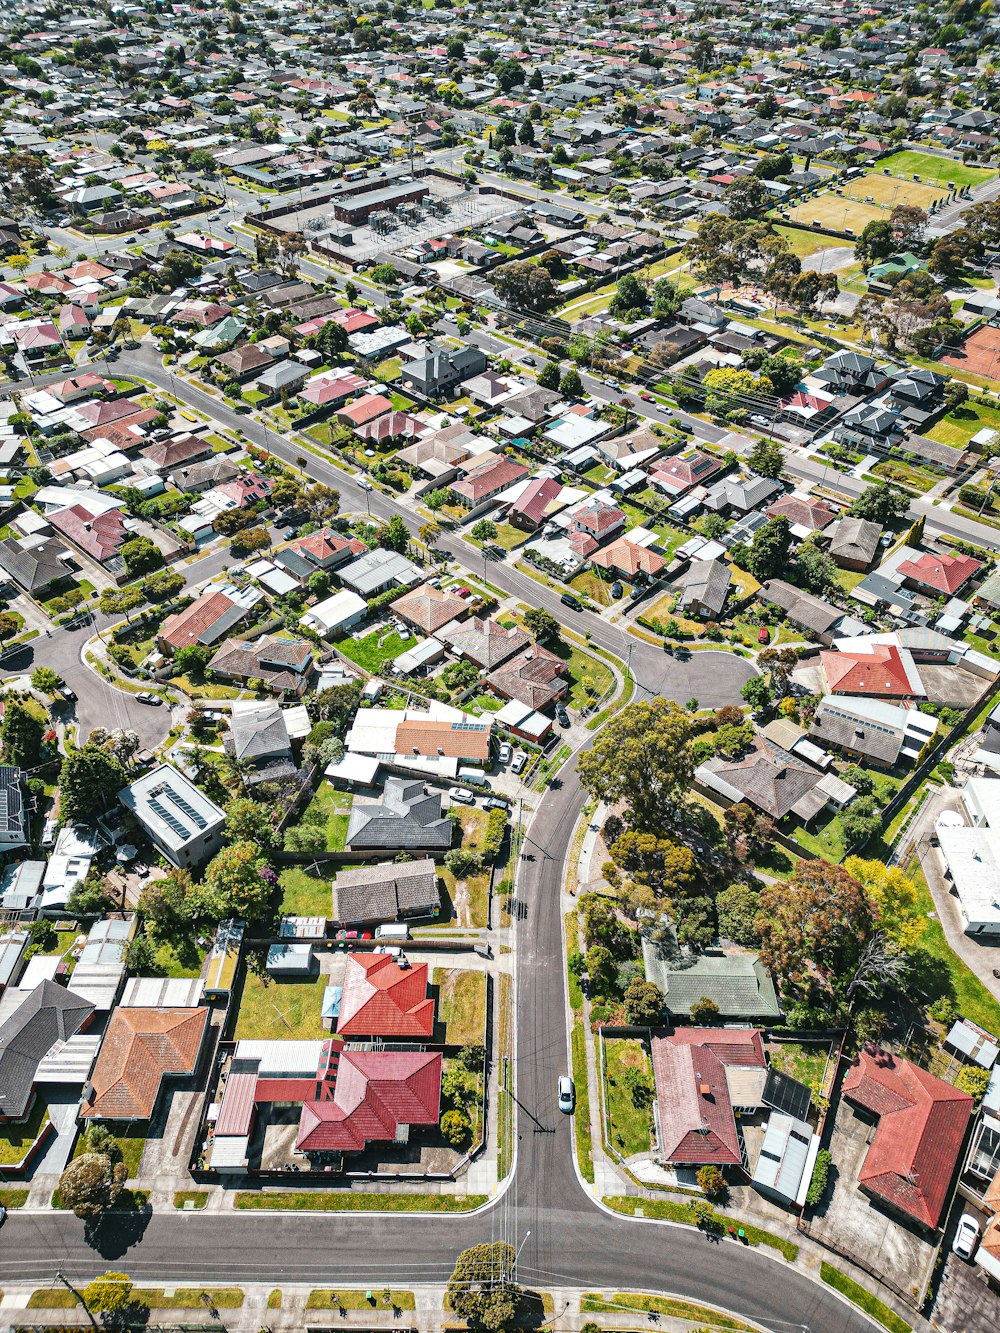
[[394, 930]]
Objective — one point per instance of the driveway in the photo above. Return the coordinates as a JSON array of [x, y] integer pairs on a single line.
[[965, 1302]]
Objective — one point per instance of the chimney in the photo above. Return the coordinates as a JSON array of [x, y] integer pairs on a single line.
[[704, 1090]]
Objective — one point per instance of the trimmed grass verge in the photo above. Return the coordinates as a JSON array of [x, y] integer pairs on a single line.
[[196, 1198], [626, 1302], [190, 1298], [345, 1201], [323, 1299], [671, 1211], [13, 1198], [863, 1299]]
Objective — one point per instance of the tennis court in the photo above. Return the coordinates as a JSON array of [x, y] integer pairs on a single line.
[[979, 354]]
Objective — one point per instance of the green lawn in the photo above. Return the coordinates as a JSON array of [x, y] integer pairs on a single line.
[[303, 893], [345, 1201], [15, 1140], [805, 1063], [335, 806], [286, 1010], [961, 985], [628, 1302], [196, 1198], [863, 1299], [958, 427], [191, 1298], [825, 840], [630, 1125], [178, 958], [374, 649], [461, 1004], [358, 1300], [14, 1198], [804, 243], [929, 166], [589, 678], [673, 1211]]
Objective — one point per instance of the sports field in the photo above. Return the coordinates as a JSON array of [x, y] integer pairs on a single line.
[[888, 191], [835, 212], [979, 354], [932, 168]]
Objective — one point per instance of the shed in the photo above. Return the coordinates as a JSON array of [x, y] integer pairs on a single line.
[[290, 960]]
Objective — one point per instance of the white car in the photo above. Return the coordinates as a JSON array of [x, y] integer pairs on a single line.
[[365, 484], [461, 796], [504, 754], [520, 761], [566, 1094], [966, 1236]]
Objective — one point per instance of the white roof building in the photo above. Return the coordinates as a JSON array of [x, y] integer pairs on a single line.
[[341, 611], [787, 1156], [180, 819]]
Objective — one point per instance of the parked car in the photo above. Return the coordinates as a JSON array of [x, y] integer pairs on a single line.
[[562, 715], [461, 796], [147, 697], [764, 636], [568, 599], [463, 592], [494, 803], [365, 484], [966, 1237], [646, 396], [566, 1094], [68, 694], [616, 589], [504, 753], [685, 426], [520, 762]]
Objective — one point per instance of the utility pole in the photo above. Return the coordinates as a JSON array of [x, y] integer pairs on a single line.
[[79, 1296]]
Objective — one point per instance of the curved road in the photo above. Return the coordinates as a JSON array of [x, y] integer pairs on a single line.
[[572, 1242]]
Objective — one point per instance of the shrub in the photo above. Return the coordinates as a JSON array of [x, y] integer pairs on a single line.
[[456, 1128], [820, 1175], [704, 1010], [973, 1081], [711, 1181]]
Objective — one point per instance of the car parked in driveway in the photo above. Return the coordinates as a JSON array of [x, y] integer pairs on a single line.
[[504, 753], [520, 761], [562, 715], [461, 796], [966, 1237]]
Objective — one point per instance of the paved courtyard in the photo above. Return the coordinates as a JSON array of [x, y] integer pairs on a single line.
[[713, 678]]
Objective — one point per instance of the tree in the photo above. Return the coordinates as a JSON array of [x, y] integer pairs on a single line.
[[814, 927], [745, 197], [394, 535], [249, 540], [571, 385], [109, 1294], [92, 1183], [26, 180], [768, 552], [749, 832], [711, 1181], [9, 625], [874, 243], [737, 909], [773, 165], [956, 393], [908, 223], [481, 1290], [644, 1003], [548, 376], [973, 1081], [141, 556], [485, 530], [658, 868], [642, 758], [249, 821], [766, 459], [526, 134], [704, 1011], [89, 782], [456, 1127], [894, 896], [120, 601], [667, 297], [192, 660], [541, 624], [525, 286], [20, 734], [756, 692], [881, 503], [631, 294], [238, 882], [815, 569], [861, 820], [729, 390], [384, 275]]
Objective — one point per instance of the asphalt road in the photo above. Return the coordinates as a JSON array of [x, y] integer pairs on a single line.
[[572, 1242]]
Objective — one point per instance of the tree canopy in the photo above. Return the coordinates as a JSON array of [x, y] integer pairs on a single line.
[[642, 758]]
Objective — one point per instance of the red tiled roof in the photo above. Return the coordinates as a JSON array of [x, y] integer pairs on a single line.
[[629, 558], [922, 1123], [99, 536], [325, 544], [945, 573], [139, 1047], [428, 609], [880, 672], [382, 999], [808, 513], [189, 625], [536, 497], [375, 1093], [365, 409], [697, 1124], [491, 475]]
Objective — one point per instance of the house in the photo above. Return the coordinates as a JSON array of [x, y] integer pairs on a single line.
[[381, 999], [282, 376], [377, 571], [626, 559], [939, 575], [245, 362], [803, 610], [98, 535], [283, 665], [806, 513], [467, 740], [738, 983], [209, 617], [342, 611], [854, 543], [14, 817], [598, 520], [377, 1096], [770, 779], [535, 677], [879, 670], [182, 823], [739, 495], [394, 891], [100, 968], [537, 501], [428, 609], [920, 1128], [36, 564], [407, 818], [364, 409], [324, 549], [878, 734], [258, 734], [142, 1048], [41, 1025], [165, 455], [485, 643], [443, 371], [676, 476], [704, 588], [492, 474], [703, 1076]]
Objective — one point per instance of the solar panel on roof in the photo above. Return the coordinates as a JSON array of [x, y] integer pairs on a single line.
[[170, 820], [783, 1093], [185, 806]]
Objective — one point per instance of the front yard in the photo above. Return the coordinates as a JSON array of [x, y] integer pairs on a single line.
[[628, 1088], [374, 649], [461, 1004], [15, 1140]]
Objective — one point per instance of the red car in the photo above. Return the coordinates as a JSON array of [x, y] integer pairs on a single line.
[[647, 397], [463, 592], [765, 635]]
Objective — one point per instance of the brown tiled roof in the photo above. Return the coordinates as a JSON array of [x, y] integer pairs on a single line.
[[458, 740], [535, 677], [187, 626], [139, 1048], [428, 608]]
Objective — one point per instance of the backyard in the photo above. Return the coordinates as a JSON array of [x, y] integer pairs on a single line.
[[289, 1010], [961, 985], [375, 648], [958, 427], [461, 1004], [331, 810], [629, 1092], [304, 892]]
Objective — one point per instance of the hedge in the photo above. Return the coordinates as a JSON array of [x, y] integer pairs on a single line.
[[821, 1172]]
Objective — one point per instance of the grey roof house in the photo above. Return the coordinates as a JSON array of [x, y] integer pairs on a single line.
[[704, 588], [35, 564], [739, 983], [49, 1015], [385, 892], [406, 818], [442, 371], [378, 570]]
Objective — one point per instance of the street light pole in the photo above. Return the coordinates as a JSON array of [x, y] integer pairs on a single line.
[[518, 1255], [79, 1296]]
